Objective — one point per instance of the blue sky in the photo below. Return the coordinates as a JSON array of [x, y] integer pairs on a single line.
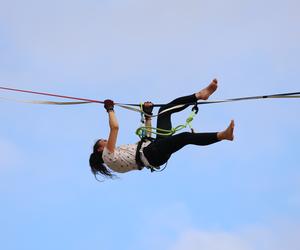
[[242, 195]]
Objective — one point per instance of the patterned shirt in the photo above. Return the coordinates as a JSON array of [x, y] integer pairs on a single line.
[[123, 158]]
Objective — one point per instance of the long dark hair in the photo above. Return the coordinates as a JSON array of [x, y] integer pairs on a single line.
[[97, 164]]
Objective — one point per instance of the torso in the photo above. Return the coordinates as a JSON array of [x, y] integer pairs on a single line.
[[123, 158]]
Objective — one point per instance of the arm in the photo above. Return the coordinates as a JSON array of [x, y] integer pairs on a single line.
[[147, 108], [113, 134], [113, 125], [148, 126]]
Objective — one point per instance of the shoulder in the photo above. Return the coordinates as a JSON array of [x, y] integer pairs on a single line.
[[107, 151], [108, 156]]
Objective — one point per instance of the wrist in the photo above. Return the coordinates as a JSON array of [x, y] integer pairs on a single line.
[[110, 110]]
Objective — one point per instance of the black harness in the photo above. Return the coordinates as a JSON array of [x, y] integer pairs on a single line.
[[138, 159], [138, 155]]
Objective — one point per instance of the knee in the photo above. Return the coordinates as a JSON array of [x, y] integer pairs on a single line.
[[162, 108], [165, 113]]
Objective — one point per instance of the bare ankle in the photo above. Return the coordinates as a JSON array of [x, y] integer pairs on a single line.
[[198, 95], [220, 135]]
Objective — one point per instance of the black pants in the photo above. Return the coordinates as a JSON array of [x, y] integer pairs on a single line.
[[159, 151]]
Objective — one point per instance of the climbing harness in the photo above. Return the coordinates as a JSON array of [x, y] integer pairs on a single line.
[[138, 158], [138, 155], [143, 131]]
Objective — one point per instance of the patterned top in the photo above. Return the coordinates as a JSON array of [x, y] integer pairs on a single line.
[[123, 158]]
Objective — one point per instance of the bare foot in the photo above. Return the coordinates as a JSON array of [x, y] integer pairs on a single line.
[[206, 92], [227, 134]]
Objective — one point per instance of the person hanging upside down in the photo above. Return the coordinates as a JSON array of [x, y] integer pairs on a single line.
[[107, 158]]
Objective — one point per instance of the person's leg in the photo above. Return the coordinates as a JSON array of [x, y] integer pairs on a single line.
[[164, 120], [160, 151]]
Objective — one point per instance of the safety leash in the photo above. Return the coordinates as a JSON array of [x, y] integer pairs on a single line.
[[142, 130]]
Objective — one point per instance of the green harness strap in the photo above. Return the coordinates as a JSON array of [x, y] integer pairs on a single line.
[[142, 131]]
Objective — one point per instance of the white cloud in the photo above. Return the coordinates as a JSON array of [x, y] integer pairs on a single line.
[[196, 240], [277, 236], [172, 227]]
